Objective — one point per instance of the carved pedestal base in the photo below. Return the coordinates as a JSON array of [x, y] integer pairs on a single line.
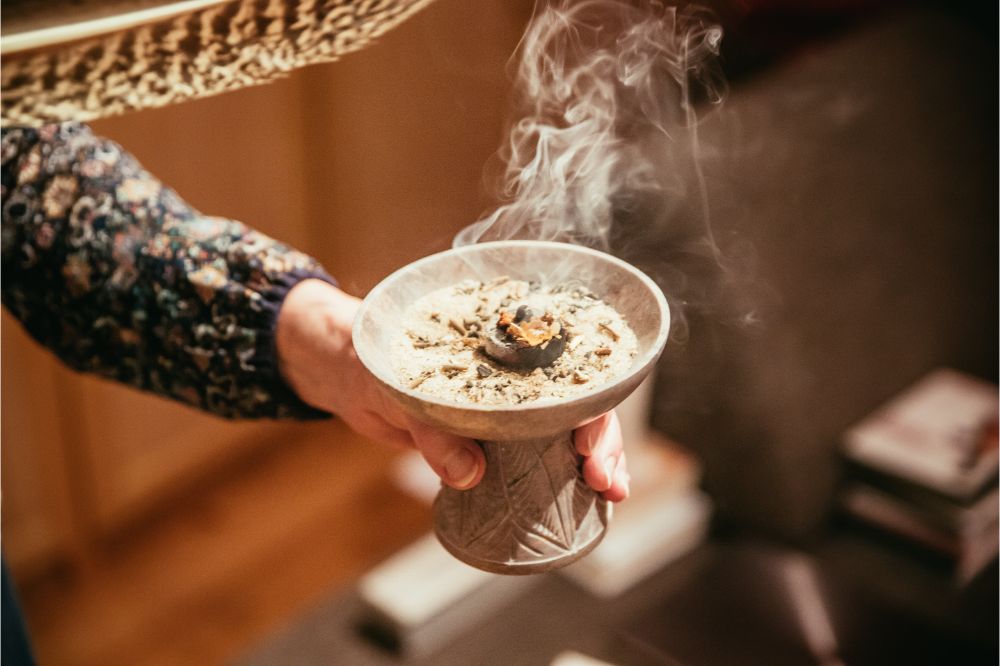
[[532, 511]]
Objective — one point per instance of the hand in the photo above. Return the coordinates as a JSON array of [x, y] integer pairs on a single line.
[[604, 468], [318, 361]]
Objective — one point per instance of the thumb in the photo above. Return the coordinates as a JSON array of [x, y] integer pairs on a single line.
[[459, 461]]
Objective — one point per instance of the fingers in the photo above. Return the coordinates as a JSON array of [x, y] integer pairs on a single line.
[[600, 441], [459, 461], [597, 435], [619, 489]]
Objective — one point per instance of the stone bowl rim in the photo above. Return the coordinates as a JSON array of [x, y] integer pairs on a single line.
[[640, 364]]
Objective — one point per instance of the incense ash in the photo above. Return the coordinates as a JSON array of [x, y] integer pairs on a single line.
[[481, 342]]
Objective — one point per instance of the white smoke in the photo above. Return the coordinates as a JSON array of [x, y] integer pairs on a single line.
[[606, 92]]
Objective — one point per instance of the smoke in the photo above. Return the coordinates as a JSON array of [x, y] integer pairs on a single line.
[[606, 132]]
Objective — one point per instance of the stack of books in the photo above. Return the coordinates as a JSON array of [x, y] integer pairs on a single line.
[[924, 468]]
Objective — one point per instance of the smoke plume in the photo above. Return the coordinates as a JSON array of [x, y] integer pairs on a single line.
[[607, 94]]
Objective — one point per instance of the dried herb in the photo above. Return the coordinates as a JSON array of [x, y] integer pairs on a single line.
[[451, 370], [610, 331], [420, 379]]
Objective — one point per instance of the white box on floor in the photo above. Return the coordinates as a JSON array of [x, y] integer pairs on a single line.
[[422, 597]]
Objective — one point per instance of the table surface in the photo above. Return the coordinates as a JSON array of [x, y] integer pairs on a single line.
[[733, 600]]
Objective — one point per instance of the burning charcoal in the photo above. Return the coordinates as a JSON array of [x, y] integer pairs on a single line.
[[524, 341], [505, 320], [528, 330], [508, 352], [483, 371]]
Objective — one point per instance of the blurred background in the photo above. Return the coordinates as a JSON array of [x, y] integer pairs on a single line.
[[852, 175]]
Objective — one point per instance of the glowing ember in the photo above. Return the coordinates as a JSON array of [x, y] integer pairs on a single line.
[[527, 330]]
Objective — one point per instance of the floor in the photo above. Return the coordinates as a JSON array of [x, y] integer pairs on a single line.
[[232, 561]]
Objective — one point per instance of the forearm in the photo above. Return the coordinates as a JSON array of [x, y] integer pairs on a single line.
[[119, 277]]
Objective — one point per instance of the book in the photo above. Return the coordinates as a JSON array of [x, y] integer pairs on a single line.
[[969, 548], [939, 434], [967, 516]]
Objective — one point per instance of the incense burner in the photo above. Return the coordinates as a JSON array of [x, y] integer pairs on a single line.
[[532, 511]]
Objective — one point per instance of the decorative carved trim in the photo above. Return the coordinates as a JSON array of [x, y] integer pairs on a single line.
[[532, 512]]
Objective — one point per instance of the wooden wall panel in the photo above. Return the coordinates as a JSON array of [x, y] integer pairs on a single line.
[[37, 514], [399, 134], [238, 155]]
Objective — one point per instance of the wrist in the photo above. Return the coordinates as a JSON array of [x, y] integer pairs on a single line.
[[313, 341]]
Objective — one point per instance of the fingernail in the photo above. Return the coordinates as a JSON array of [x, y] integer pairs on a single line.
[[461, 468], [609, 470]]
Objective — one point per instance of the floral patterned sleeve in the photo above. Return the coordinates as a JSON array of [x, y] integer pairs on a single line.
[[118, 276]]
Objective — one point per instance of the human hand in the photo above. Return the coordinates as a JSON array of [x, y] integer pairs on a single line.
[[604, 467], [318, 361]]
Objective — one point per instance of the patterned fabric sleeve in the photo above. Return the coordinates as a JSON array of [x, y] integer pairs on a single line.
[[119, 277]]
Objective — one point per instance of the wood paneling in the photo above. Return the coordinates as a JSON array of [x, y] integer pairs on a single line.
[[138, 448], [399, 135], [37, 512]]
